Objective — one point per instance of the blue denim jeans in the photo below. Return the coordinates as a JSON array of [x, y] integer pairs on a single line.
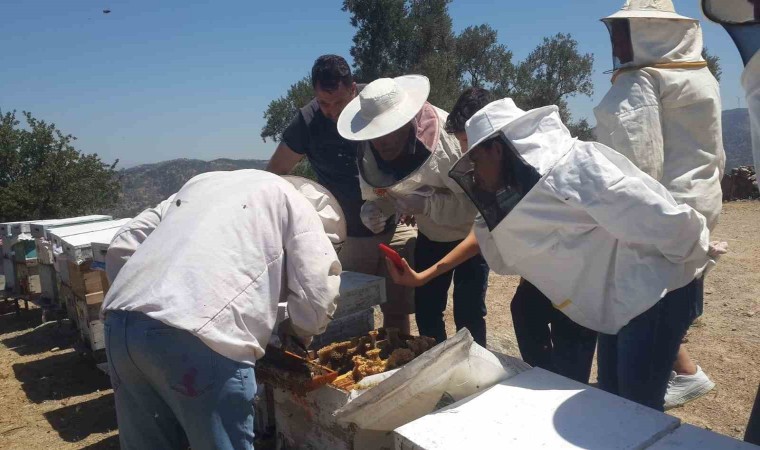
[[636, 363], [549, 339], [172, 391], [470, 284]]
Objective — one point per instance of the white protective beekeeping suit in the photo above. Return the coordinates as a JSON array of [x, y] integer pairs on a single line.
[[225, 251], [741, 18], [601, 239], [663, 111], [751, 83], [385, 105]]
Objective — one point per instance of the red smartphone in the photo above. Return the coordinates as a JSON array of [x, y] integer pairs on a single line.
[[393, 256]]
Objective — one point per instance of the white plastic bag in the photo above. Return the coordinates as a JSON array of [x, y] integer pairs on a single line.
[[454, 369]]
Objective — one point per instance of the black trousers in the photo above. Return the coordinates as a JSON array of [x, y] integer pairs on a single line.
[[470, 284], [549, 339]]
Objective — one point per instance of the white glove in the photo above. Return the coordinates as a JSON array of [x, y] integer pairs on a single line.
[[413, 204], [373, 217]]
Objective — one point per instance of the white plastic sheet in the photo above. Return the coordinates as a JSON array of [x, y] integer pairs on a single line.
[[452, 370]]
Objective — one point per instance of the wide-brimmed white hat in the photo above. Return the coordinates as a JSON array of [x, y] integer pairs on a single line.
[[326, 205], [383, 106], [490, 120], [647, 9]]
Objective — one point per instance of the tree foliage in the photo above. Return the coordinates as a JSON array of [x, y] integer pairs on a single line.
[[713, 63], [42, 175], [397, 37], [280, 112]]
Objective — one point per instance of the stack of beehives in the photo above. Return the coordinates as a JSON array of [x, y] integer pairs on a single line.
[[82, 287], [49, 281]]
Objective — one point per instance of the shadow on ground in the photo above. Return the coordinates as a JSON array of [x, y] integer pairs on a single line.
[[41, 337], [75, 422], [60, 376], [107, 443], [11, 323]]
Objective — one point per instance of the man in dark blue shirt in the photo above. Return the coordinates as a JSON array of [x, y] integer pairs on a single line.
[[313, 133]]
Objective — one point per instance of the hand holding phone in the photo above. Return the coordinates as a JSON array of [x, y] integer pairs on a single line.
[[393, 256]]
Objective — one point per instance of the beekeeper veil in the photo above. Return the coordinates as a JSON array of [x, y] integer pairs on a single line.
[[327, 208], [646, 32], [493, 173], [382, 109]]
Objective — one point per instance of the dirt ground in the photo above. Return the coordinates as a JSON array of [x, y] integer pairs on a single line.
[[54, 398]]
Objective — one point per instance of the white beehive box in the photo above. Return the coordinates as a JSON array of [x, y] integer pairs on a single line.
[[99, 251], [538, 409], [58, 235], [354, 315], [39, 228], [78, 247], [689, 437]]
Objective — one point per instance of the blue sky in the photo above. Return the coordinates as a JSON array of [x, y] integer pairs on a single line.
[[160, 80]]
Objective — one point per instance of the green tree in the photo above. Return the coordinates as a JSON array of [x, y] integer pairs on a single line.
[[42, 175], [552, 73], [383, 37], [482, 60], [713, 63], [280, 112]]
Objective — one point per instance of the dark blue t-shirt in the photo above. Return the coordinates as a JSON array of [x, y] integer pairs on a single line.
[[332, 157]]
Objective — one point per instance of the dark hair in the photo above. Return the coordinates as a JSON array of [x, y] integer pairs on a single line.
[[329, 71], [471, 101]]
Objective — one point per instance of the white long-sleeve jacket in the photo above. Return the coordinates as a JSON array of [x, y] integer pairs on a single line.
[[665, 119], [601, 239], [751, 84], [451, 213], [130, 236], [227, 249]]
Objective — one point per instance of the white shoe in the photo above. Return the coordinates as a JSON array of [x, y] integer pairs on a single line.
[[685, 388]]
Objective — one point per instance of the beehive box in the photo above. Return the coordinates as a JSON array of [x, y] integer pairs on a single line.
[[538, 409], [90, 325], [85, 281], [39, 229], [59, 235], [48, 282]]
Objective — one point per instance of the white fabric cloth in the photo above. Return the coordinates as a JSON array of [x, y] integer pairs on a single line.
[[228, 249], [326, 206], [450, 213], [668, 121], [601, 239], [648, 8], [132, 235], [751, 84]]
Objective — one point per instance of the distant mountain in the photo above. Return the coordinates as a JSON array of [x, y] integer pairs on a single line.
[[736, 138], [148, 184]]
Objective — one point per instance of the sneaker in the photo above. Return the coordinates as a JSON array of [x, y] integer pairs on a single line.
[[685, 388]]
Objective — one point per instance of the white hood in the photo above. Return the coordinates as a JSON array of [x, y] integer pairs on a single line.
[[601, 239], [662, 41], [751, 84]]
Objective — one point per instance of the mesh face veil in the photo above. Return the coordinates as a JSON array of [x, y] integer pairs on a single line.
[[622, 45], [495, 199]]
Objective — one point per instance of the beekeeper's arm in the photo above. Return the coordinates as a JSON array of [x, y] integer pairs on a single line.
[[636, 131], [312, 270], [461, 253], [131, 236], [634, 211]]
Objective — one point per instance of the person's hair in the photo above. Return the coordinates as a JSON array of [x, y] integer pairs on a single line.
[[329, 72], [471, 101]]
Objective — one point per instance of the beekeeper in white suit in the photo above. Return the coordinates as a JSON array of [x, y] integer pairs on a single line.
[[664, 113], [195, 304], [404, 155], [741, 18], [607, 244]]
